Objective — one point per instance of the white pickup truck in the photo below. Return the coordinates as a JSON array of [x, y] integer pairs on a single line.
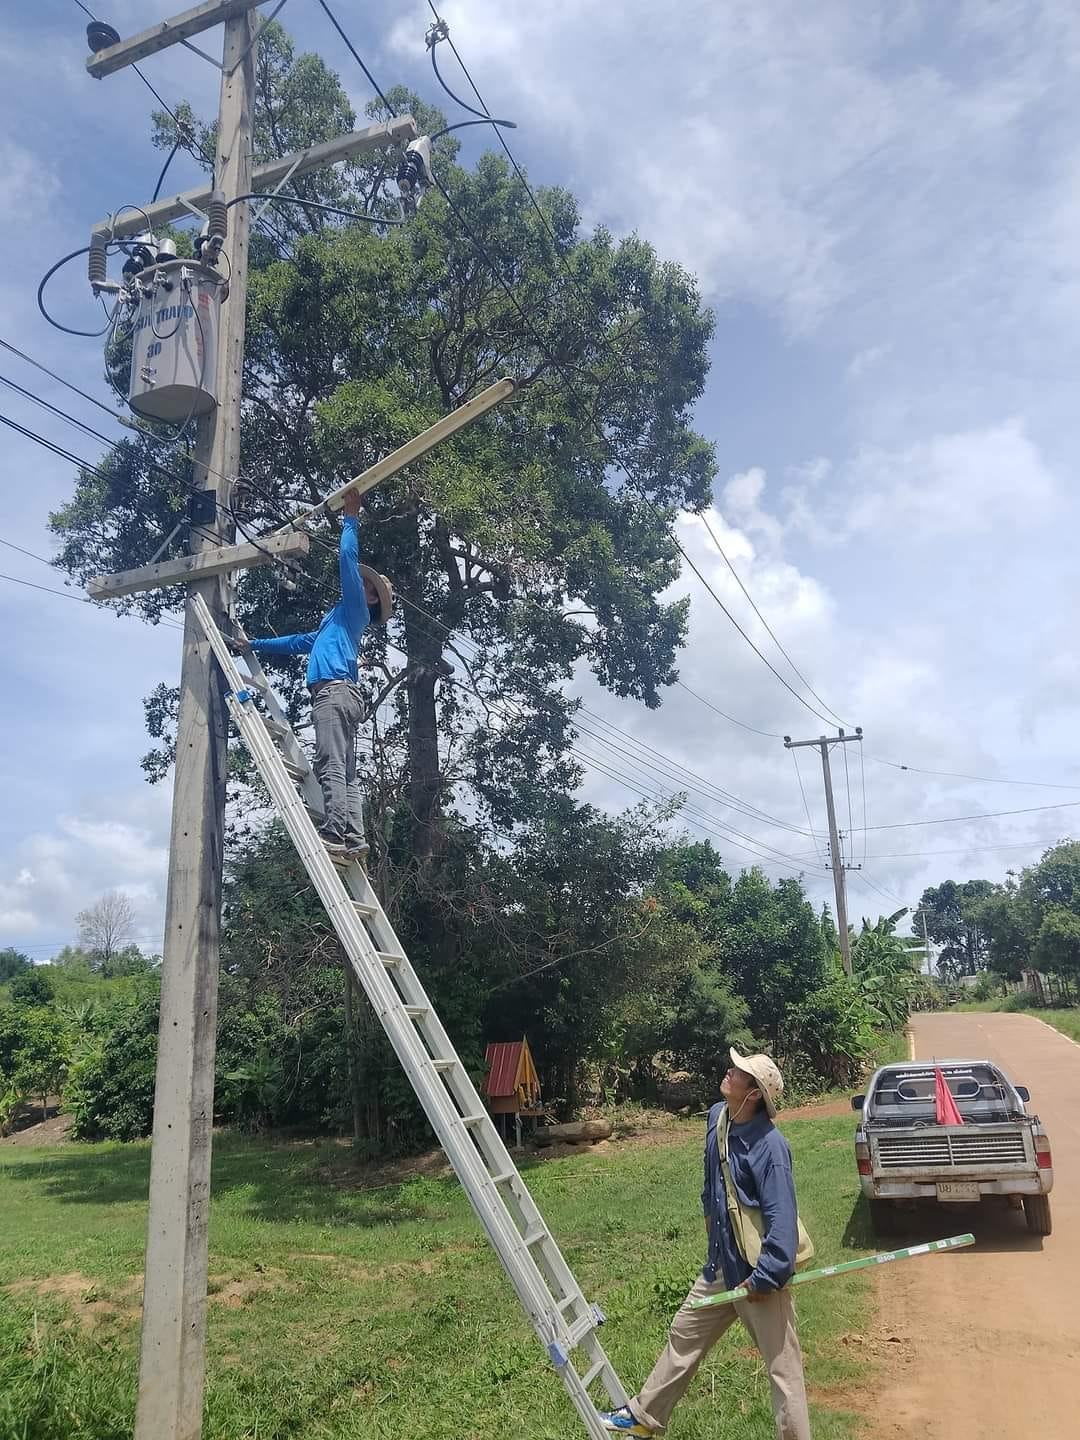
[[905, 1157]]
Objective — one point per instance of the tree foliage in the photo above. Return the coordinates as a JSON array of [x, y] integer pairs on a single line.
[[12, 962], [952, 913], [516, 547]]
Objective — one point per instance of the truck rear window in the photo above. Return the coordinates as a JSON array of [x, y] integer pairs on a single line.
[[904, 1095]]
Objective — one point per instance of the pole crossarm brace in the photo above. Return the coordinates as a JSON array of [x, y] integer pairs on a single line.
[[840, 738], [266, 177], [412, 450], [168, 32], [202, 565]]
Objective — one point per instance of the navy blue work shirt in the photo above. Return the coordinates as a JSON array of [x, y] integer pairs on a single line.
[[760, 1166]]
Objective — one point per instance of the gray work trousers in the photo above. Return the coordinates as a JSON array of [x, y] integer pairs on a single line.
[[693, 1334], [337, 709]]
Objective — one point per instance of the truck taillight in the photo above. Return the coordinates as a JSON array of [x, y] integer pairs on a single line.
[[862, 1158], [1043, 1158]]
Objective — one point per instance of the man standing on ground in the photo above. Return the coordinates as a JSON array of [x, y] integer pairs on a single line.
[[337, 702], [751, 1208]]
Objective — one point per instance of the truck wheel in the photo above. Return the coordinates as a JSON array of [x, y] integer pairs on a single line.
[[1037, 1214], [884, 1217]]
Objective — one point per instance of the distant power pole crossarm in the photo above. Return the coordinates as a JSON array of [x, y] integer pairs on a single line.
[[822, 743]]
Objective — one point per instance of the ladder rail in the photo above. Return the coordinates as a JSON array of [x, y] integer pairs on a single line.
[[490, 1143], [372, 976], [543, 1282]]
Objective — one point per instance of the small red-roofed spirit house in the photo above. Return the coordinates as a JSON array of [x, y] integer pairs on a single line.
[[512, 1086]]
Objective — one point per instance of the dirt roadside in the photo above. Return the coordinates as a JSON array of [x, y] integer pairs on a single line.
[[988, 1339]]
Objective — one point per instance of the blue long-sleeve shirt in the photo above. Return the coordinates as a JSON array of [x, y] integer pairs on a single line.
[[334, 646], [760, 1168]]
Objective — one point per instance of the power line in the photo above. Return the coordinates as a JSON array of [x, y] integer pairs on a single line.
[[966, 850], [82, 599], [982, 779], [880, 890], [568, 383], [561, 259], [733, 720], [173, 475], [772, 634], [352, 51], [989, 815], [802, 791], [60, 380]]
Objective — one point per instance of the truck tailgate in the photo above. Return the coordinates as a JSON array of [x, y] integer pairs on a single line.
[[1000, 1148]]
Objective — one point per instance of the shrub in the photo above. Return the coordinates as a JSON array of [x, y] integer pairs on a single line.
[[111, 1089], [1020, 1000]]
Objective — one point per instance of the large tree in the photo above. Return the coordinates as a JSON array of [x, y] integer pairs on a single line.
[[951, 913], [520, 550]]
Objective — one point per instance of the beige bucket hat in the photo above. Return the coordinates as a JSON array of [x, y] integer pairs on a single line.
[[385, 592], [768, 1078]]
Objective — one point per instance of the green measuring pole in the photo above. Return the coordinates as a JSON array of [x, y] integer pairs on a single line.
[[955, 1242]]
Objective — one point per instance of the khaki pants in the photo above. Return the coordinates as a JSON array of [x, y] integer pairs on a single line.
[[693, 1334]]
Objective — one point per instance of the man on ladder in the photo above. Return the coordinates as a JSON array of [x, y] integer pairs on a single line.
[[337, 702]]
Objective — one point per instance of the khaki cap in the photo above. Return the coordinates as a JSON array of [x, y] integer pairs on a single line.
[[769, 1080], [383, 589]]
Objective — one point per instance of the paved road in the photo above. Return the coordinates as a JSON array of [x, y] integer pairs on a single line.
[[986, 1342]]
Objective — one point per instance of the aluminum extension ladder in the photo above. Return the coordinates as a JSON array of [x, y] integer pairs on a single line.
[[545, 1286]]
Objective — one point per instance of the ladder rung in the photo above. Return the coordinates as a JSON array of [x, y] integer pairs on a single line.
[[565, 1304], [534, 1235], [502, 1177], [275, 727], [470, 1120], [384, 955], [361, 907], [417, 1012], [441, 1065], [592, 1372], [263, 686], [294, 771], [580, 1328]]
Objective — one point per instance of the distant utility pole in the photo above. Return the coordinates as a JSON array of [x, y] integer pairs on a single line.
[[172, 1363], [822, 743], [926, 946]]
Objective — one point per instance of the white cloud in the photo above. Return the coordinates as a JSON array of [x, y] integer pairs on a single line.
[[949, 485], [60, 870], [866, 360]]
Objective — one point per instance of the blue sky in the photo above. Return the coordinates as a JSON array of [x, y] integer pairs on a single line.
[[882, 203]]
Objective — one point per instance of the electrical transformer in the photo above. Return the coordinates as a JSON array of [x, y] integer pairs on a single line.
[[174, 341]]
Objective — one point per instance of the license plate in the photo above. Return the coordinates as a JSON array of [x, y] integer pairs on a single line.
[[957, 1190]]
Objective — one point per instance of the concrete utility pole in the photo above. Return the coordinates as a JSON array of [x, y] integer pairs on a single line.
[[173, 1358], [822, 743], [172, 1363]]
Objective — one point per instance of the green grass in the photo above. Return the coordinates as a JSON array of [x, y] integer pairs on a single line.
[[339, 1312], [1067, 1021]]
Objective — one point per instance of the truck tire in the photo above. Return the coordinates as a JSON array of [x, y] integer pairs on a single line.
[[884, 1217], [1037, 1214]]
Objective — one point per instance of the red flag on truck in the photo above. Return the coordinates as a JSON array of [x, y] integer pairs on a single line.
[[947, 1113]]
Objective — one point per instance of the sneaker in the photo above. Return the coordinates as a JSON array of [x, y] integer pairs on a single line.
[[333, 848], [622, 1422]]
